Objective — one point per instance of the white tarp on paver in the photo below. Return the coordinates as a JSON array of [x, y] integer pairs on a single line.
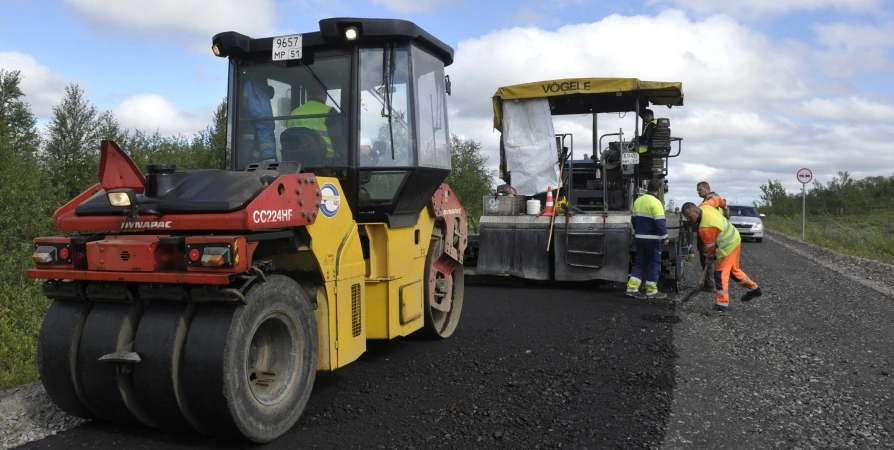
[[530, 144]]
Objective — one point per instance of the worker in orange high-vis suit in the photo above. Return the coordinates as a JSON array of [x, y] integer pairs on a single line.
[[723, 245], [709, 198], [712, 198]]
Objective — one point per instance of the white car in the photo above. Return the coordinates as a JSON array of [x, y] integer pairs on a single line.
[[748, 221]]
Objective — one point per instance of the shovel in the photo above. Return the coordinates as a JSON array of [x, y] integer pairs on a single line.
[[701, 283]]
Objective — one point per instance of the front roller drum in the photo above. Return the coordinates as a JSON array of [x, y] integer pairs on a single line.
[[57, 356], [248, 370], [444, 291], [157, 378]]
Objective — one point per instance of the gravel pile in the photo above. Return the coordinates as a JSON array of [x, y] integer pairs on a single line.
[[27, 414], [808, 365]]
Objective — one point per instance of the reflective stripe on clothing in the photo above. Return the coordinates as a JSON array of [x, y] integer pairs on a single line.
[[652, 216], [729, 268], [318, 124], [714, 229], [726, 236], [633, 284]]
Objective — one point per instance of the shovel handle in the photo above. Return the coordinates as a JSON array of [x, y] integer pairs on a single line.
[[701, 280]]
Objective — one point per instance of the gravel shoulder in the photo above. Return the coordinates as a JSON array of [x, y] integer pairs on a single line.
[[807, 365], [27, 414]]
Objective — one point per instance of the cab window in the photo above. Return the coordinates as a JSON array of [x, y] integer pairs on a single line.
[[294, 112], [431, 110], [384, 93]]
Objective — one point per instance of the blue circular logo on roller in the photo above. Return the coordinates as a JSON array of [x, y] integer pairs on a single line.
[[331, 200]]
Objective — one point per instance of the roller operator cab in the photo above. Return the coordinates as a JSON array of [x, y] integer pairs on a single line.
[[210, 298]]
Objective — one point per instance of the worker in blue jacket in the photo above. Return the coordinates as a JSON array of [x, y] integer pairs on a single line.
[[256, 98], [649, 232]]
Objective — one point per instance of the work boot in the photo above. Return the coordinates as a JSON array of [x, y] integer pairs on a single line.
[[650, 295], [717, 310], [633, 286], [756, 292]]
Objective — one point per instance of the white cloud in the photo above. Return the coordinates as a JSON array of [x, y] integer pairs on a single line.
[[757, 8], [718, 59], [414, 6], [151, 112], [194, 20], [752, 103], [42, 87], [854, 48], [848, 109]]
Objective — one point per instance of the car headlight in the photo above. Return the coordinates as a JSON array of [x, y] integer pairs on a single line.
[[758, 225]]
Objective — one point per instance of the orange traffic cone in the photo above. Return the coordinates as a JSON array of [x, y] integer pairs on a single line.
[[550, 210]]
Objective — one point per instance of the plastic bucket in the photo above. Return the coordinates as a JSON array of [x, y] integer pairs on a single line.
[[533, 207]]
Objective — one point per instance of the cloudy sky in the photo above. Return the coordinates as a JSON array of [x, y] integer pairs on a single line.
[[771, 85]]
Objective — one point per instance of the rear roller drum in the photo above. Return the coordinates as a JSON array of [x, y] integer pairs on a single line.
[[157, 378], [248, 371], [444, 291], [57, 356], [109, 385]]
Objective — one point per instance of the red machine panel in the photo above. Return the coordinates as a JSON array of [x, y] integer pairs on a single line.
[[445, 204], [123, 254]]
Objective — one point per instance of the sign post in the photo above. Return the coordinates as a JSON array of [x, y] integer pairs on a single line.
[[804, 176]]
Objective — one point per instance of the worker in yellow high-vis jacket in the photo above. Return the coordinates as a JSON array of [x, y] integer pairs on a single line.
[[723, 244], [649, 233], [315, 105]]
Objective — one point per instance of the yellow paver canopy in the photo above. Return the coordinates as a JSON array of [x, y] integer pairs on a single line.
[[591, 95]]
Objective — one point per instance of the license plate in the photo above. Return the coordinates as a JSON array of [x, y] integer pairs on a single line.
[[287, 47], [629, 158]]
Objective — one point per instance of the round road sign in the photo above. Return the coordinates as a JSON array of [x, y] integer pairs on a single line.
[[805, 175]]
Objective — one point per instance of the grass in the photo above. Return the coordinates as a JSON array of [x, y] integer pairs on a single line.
[[869, 235], [21, 314]]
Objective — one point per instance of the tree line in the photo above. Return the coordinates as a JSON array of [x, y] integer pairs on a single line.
[[842, 195], [41, 170]]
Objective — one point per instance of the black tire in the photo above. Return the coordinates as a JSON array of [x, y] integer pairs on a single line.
[[157, 378], [677, 282], [111, 395], [218, 381], [442, 324], [57, 356], [759, 240]]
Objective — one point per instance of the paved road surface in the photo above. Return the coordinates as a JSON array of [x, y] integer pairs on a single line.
[[805, 366]]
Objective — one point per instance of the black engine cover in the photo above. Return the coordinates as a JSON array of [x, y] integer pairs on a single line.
[[193, 191]]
